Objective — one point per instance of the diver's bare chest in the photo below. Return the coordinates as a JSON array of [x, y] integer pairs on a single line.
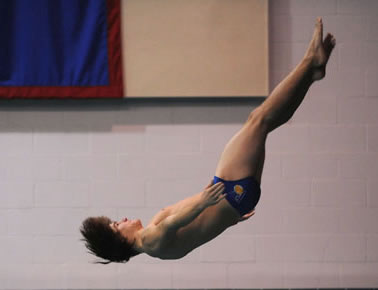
[[209, 224]]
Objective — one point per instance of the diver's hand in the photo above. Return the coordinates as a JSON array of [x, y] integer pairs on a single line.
[[213, 193], [247, 216]]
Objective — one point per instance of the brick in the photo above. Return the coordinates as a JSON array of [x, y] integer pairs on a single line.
[[255, 275], [47, 168], [363, 165], [75, 143], [337, 138], [3, 223], [345, 248], [346, 28], [57, 221], [45, 120], [310, 220], [372, 138], [77, 168], [369, 7], [372, 248], [312, 8], [272, 166], [309, 166], [369, 60], [359, 275], [15, 276], [129, 138], [3, 168], [204, 113], [90, 276], [16, 143], [285, 22], [19, 222], [172, 139], [358, 221], [350, 60], [161, 193], [358, 110], [290, 248], [133, 166], [372, 27], [69, 143], [134, 276], [371, 77], [311, 275], [282, 193], [101, 168], [180, 166], [4, 124], [205, 275], [61, 194], [48, 277], [295, 166], [103, 143], [15, 250], [16, 195], [144, 113], [104, 167], [279, 7], [19, 168], [264, 221], [280, 55], [90, 119], [350, 83], [117, 194], [289, 139], [79, 120], [229, 249], [329, 86], [339, 193], [372, 194], [58, 250], [316, 109], [214, 138], [177, 166], [353, 7]]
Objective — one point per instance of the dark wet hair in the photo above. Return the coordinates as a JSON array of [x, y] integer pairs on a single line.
[[103, 242]]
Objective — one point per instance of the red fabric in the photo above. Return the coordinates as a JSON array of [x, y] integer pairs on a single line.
[[113, 90]]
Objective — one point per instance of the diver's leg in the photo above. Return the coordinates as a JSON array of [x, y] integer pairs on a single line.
[[244, 154], [280, 106]]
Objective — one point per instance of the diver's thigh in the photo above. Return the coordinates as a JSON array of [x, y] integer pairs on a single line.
[[244, 154]]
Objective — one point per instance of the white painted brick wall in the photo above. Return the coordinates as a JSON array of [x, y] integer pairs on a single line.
[[316, 224]]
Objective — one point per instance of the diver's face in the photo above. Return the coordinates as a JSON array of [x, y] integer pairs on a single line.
[[127, 228]]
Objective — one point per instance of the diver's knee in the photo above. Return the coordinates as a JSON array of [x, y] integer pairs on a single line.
[[258, 118]]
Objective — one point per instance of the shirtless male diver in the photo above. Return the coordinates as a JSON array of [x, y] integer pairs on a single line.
[[235, 190]]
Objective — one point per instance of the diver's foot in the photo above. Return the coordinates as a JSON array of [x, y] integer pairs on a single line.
[[319, 51]]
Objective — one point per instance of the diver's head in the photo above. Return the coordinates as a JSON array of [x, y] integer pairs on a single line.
[[110, 240]]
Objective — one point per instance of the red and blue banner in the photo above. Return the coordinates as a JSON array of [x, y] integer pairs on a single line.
[[60, 49]]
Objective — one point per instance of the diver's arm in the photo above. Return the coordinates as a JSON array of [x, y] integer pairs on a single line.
[[210, 196], [156, 235]]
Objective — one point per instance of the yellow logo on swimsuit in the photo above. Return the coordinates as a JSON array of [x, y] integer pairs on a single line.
[[238, 189]]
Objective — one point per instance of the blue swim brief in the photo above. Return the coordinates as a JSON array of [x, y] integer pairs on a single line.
[[242, 194]]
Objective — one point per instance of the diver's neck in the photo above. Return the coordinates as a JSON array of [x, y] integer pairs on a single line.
[[138, 243]]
